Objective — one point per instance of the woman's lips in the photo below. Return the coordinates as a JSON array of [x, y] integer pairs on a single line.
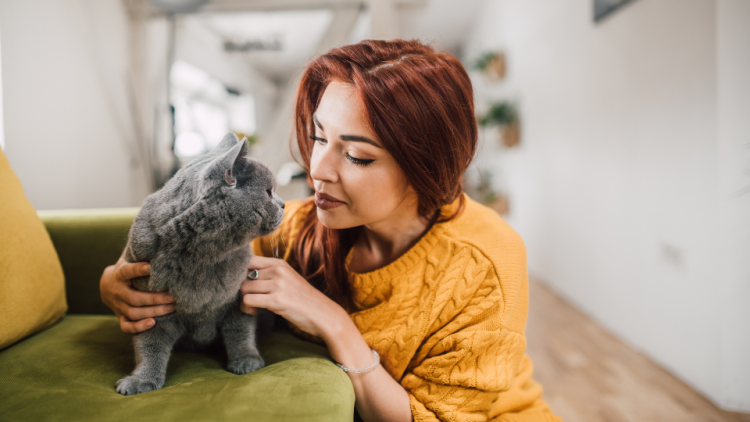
[[326, 202]]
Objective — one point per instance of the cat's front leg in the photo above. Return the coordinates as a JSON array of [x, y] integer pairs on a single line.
[[238, 330], [152, 350]]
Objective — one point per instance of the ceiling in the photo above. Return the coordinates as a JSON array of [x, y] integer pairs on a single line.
[[296, 33], [443, 23]]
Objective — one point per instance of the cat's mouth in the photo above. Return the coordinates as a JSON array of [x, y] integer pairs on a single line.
[[273, 225], [268, 225]]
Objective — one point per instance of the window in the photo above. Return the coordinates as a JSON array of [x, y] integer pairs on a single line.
[[205, 110]]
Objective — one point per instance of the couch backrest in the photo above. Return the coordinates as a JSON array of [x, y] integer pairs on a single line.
[[32, 286], [87, 241]]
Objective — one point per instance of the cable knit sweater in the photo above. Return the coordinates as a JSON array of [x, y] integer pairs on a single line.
[[448, 318]]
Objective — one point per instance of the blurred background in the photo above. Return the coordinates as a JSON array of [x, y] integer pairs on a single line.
[[615, 138]]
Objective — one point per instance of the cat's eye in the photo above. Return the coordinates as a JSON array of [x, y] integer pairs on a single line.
[[270, 193]]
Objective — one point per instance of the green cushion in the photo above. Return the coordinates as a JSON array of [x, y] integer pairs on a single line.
[[87, 241], [68, 373]]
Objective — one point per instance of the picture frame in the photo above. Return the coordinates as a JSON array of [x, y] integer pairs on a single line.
[[604, 8]]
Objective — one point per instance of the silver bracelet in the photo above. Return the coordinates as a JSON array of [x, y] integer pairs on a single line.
[[367, 368]]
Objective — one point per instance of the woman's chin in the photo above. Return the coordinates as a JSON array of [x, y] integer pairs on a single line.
[[333, 218]]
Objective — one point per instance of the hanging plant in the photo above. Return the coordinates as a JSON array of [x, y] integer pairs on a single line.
[[504, 115], [492, 64], [251, 139], [482, 191], [500, 114]]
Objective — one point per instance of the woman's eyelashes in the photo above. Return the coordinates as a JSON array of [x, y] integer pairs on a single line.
[[318, 139], [355, 160], [358, 161]]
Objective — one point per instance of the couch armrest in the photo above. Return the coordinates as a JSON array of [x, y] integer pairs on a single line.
[[87, 241]]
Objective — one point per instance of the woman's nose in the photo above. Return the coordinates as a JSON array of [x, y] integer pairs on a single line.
[[323, 165]]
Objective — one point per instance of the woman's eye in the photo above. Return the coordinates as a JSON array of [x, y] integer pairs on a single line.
[[358, 161], [318, 140], [355, 160]]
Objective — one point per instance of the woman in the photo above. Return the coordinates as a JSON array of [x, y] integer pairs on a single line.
[[390, 256]]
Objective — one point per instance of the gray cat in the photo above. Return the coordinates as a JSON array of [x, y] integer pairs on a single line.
[[196, 234]]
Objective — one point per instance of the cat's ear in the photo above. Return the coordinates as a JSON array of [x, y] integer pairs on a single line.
[[230, 140], [234, 161]]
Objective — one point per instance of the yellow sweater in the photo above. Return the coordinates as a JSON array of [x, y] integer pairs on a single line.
[[448, 318]]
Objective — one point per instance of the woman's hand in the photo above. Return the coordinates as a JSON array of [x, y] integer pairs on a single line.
[[281, 290], [284, 292], [134, 308]]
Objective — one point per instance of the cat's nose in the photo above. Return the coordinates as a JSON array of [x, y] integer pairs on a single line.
[[278, 200]]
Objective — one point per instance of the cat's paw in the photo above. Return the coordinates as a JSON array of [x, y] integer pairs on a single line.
[[134, 384], [245, 365]]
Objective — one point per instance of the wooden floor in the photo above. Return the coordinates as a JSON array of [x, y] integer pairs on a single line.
[[590, 376]]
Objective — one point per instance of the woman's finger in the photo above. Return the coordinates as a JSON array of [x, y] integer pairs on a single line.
[[257, 286], [134, 327], [143, 312], [258, 300], [248, 309], [264, 273], [260, 262], [135, 297], [132, 297], [130, 271]]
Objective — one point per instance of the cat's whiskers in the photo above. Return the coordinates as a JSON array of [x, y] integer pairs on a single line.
[[275, 237], [275, 243], [281, 235]]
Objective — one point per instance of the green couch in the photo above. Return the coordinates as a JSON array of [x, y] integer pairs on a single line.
[[67, 372]]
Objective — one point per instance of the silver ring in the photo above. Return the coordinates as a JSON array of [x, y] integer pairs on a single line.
[[254, 274]]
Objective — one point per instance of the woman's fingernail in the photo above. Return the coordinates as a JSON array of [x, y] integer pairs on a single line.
[[147, 268], [170, 298], [150, 323]]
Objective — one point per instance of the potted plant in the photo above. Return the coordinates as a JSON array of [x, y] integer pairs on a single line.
[[251, 139], [504, 115], [492, 64], [483, 192]]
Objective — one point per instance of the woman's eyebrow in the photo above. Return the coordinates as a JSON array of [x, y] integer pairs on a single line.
[[317, 123], [353, 138]]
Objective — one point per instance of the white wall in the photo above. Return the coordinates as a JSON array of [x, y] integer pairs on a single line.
[[733, 19], [617, 185], [65, 105]]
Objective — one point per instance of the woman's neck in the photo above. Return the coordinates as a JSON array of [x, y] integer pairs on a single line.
[[380, 243]]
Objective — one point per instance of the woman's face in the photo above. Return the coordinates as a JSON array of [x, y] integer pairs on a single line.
[[357, 182]]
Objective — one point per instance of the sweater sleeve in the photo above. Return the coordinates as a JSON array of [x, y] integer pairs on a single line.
[[472, 354]]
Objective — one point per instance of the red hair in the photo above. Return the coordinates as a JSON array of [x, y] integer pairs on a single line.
[[420, 104]]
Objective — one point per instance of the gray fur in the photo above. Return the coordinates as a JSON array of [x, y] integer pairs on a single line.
[[196, 234]]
